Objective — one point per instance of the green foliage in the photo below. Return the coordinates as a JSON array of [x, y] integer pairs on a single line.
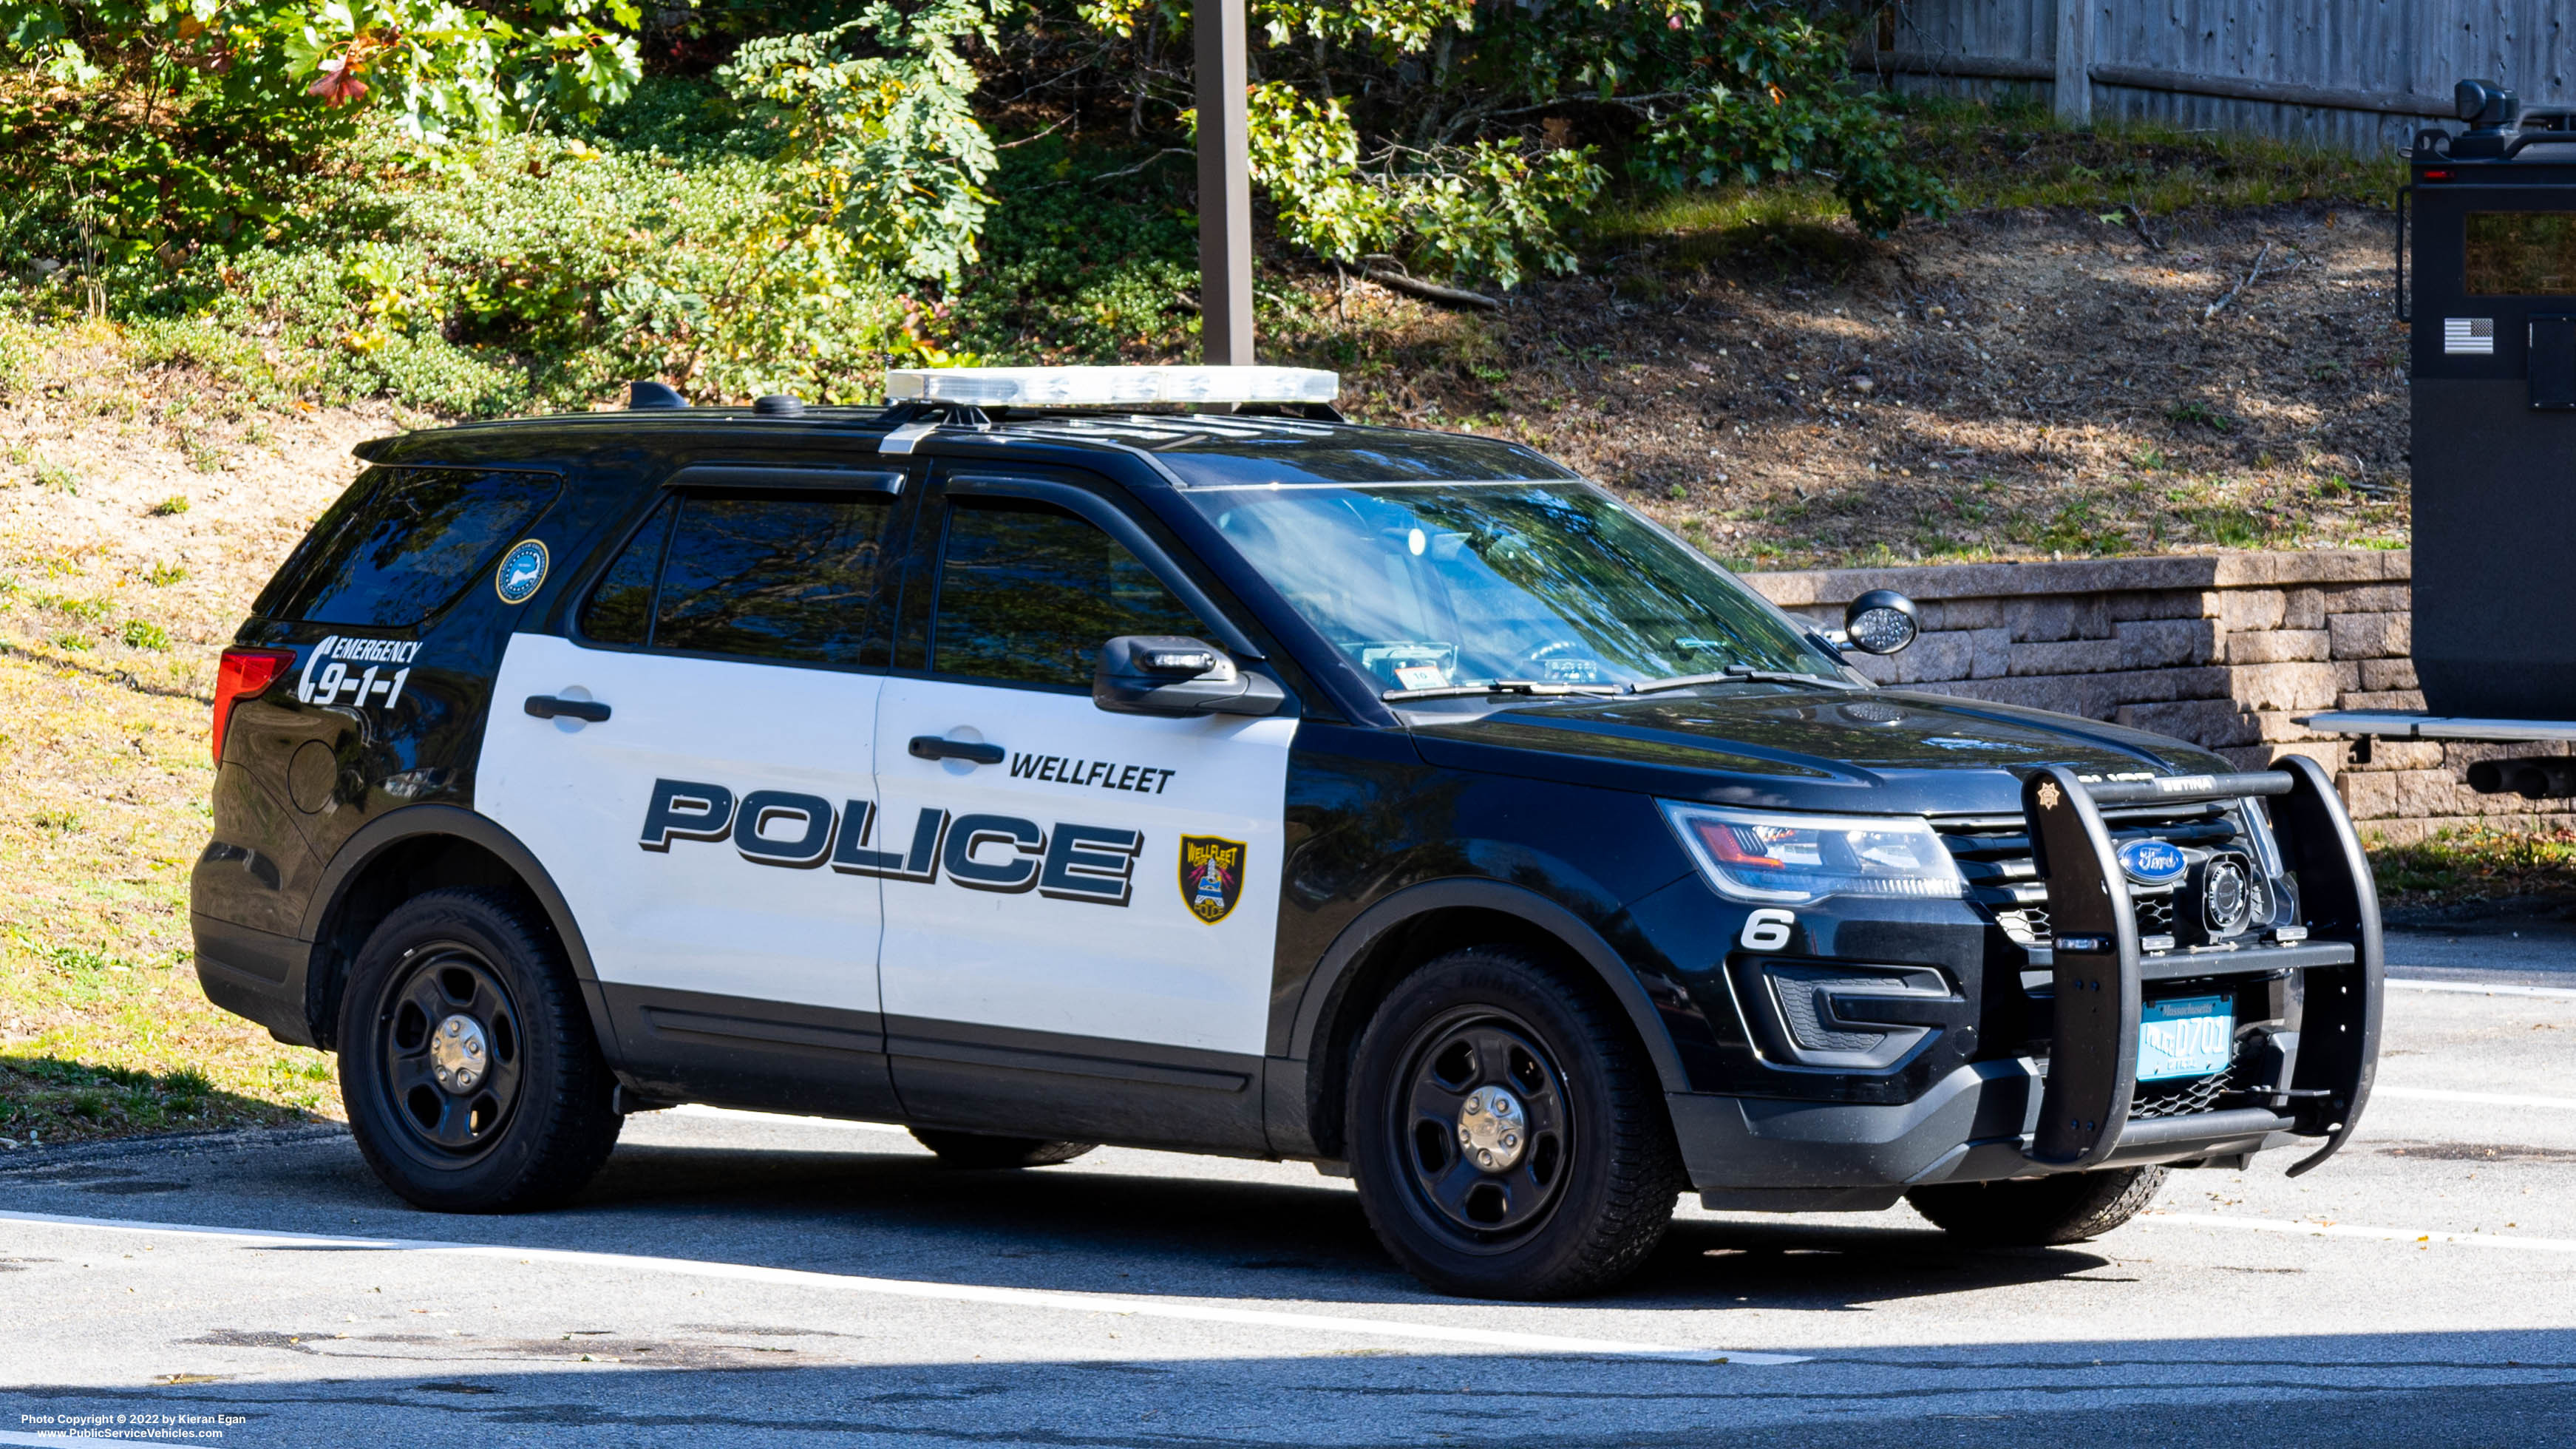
[[132, 129], [1078, 265], [144, 634], [1471, 209], [881, 151], [1768, 105]]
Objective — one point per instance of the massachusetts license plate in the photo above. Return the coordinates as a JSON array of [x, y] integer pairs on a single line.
[[2192, 1037]]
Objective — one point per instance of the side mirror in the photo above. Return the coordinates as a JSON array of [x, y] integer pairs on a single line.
[[1881, 621], [1170, 674]]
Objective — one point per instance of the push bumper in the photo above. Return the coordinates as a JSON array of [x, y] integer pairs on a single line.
[[2000, 1119]]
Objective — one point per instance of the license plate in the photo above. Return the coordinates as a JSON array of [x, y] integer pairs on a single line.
[[2192, 1037]]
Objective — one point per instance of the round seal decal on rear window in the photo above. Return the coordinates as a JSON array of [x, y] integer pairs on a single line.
[[522, 570]]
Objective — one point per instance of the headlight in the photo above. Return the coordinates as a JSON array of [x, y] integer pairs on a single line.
[[1793, 859]]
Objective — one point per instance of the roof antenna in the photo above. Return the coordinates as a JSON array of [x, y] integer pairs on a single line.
[[654, 395]]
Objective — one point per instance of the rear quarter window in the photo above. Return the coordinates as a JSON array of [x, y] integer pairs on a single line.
[[402, 543]]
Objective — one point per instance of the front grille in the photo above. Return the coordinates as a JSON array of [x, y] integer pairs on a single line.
[[2180, 1096], [1994, 855]]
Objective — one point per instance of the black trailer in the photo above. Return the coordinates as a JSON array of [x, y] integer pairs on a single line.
[[2488, 223]]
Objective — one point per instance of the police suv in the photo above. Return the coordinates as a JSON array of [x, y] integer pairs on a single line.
[[1149, 756]]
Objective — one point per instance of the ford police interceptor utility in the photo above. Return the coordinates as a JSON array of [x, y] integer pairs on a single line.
[[1038, 764]]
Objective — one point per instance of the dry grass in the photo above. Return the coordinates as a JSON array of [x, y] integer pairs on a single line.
[[113, 604]]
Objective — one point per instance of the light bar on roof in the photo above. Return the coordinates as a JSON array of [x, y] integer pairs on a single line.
[[1087, 387]]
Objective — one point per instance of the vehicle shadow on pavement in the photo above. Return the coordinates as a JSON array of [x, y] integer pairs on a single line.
[[1063, 1227]]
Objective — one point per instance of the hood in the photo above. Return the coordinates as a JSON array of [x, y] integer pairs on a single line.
[[1786, 748]]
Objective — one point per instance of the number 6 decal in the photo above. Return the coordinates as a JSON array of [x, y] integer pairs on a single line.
[[1768, 929]]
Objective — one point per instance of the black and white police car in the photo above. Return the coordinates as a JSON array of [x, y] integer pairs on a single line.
[[1148, 756]]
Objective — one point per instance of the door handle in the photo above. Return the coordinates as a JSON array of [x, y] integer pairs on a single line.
[[932, 747], [547, 706]]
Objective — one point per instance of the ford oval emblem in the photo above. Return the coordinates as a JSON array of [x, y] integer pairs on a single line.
[[2152, 862]]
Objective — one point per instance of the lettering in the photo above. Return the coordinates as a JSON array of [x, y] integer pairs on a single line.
[[1000, 853], [814, 817], [328, 671], [1011, 872], [1091, 863], [686, 810], [1091, 774]]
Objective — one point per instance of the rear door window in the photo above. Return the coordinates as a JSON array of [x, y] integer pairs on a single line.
[[789, 577], [1028, 594], [403, 543]]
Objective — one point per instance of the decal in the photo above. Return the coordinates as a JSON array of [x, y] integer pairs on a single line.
[[1002, 853], [814, 818], [851, 855], [1211, 876], [522, 572], [686, 810], [2048, 795], [1091, 863], [1768, 929], [328, 672], [1106, 774], [2152, 862], [1010, 869]]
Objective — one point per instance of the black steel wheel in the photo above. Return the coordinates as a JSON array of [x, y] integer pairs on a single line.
[[467, 1064], [1484, 1124], [982, 1150], [447, 1055], [1506, 1131]]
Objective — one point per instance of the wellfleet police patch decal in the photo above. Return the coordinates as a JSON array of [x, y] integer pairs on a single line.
[[1211, 876], [522, 571]]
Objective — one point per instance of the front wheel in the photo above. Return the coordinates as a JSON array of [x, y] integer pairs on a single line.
[[2039, 1212], [467, 1064], [1507, 1134]]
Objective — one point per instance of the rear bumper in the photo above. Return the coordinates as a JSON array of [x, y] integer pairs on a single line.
[[255, 974], [1975, 1125]]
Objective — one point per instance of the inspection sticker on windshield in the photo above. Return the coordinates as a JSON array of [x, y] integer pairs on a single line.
[[1420, 676], [2191, 1037]]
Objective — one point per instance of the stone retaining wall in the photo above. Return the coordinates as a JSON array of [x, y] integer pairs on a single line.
[[2224, 650]]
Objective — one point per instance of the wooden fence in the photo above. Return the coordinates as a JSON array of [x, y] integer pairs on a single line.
[[2357, 74]]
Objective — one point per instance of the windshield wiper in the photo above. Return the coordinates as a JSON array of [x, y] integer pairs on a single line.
[[1499, 686], [1741, 674]]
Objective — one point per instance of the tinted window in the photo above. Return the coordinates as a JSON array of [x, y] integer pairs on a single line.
[[1029, 594], [403, 542], [2520, 254], [772, 577], [620, 610]]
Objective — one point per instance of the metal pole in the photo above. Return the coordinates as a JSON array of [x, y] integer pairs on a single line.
[[1225, 185], [2074, 62]]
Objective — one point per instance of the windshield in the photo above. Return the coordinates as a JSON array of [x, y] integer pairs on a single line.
[[1553, 584]]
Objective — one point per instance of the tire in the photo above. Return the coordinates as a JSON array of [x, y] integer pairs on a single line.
[[1583, 1195], [975, 1149], [2039, 1212], [520, 1123]]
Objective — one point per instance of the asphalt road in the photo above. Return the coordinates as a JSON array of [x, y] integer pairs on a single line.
[[741, 1280]]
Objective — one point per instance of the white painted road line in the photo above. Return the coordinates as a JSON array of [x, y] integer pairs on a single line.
[[2231, 1222], [1122, 1305], [2482, 1099], [2481, 988]]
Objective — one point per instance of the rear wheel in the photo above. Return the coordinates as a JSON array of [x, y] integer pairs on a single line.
[[975, 1149], [1507, 1135], [2039, 1212], [467, 1064]]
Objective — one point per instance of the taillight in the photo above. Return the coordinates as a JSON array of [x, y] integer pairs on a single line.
[[243, 674]]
